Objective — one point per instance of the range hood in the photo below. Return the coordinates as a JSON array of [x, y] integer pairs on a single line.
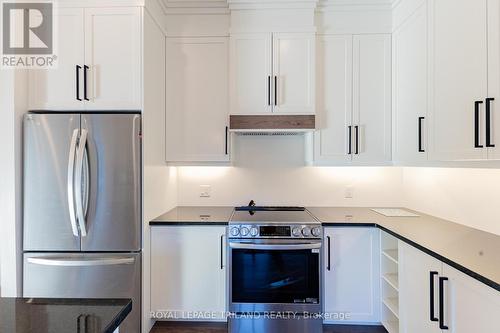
[[272, 124]]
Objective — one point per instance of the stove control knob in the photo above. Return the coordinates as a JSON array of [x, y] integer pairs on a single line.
[[306, 231], [296, 232], [244, 231], [316, 231], [254, 231], [235, 231]]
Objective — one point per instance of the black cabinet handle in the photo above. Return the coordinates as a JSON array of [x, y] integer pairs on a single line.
[[221, 251], [269, 90], [328, 254], [356, 129], [349, 138], [275, 90], [78, 67], [420, 144], [476, 124], [85, 68], [227, 132], [488, 123], [441, 303], [431, 295]]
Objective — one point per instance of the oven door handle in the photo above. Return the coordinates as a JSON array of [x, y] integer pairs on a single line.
[[253, 246]]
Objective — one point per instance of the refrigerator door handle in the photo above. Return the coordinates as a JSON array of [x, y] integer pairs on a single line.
[[70, 185], [80, 262], [78, 175]]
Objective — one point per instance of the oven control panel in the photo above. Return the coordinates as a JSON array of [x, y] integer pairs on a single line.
[[275, 231]]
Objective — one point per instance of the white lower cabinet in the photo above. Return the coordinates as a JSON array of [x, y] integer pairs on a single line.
[[467, 305], [351, 275], [470, 306], [188, 271], [415, 271]]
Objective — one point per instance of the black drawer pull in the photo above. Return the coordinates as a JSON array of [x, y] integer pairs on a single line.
[[420, 143], [489, 144], [476, 124], [328, 266], [431, 295], [78, 67], [441, 303]]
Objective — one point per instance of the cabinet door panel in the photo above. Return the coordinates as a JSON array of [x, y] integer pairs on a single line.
[[470, 306], [113, 53], [458, 78], [494, 75], [410, 86], [352, 283], [372, 98], [294, 69], [186, 273], [55, 89], [334, 98], [197, 99], [414, 290], [250, 89]]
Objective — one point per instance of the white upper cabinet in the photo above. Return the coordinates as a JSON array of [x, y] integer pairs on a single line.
[[372, 98], [56, 89], [469, 305], [334, 98], [354, 99], [294, 70], [99, 62], [352, 268], [410, 87], [418, 288], [493, 136], [458, 85], [113, 55], [272, 72], [188, 270], [251, 67], [197, 99]]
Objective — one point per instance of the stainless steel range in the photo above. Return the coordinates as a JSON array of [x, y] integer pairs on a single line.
[[275, 284]]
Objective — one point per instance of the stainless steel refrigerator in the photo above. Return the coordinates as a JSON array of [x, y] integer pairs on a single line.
[[82, 207]]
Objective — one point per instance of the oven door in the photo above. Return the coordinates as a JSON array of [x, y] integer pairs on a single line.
[[274, 275]]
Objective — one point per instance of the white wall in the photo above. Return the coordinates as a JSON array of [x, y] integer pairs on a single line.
[[466, 196], [13, 104], [271, 171], [160, 188]]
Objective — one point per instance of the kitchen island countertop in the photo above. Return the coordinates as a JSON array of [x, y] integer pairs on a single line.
[[54, 315]]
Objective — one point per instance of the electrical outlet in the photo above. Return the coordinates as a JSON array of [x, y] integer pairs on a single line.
[[205, 191], [349, 192]]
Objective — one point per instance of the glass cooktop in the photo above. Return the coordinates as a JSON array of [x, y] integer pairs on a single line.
[[272, 214]]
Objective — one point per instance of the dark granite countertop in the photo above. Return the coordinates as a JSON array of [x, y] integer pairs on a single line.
[[472, 251], [195, 215], [37, 315]]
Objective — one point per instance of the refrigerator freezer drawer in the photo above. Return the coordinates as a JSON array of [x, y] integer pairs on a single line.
[[86, 275]]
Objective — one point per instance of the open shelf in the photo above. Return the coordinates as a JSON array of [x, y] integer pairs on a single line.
[[391, 326], [391, 255], [392, 280], [389, 272], [392, 303]]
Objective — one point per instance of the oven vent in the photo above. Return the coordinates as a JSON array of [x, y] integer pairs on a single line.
[[268, 133], [274, 124]]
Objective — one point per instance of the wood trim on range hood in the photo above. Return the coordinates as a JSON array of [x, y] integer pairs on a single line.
[[272, 122]]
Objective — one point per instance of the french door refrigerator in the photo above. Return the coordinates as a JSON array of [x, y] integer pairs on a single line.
[[82, 207]]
